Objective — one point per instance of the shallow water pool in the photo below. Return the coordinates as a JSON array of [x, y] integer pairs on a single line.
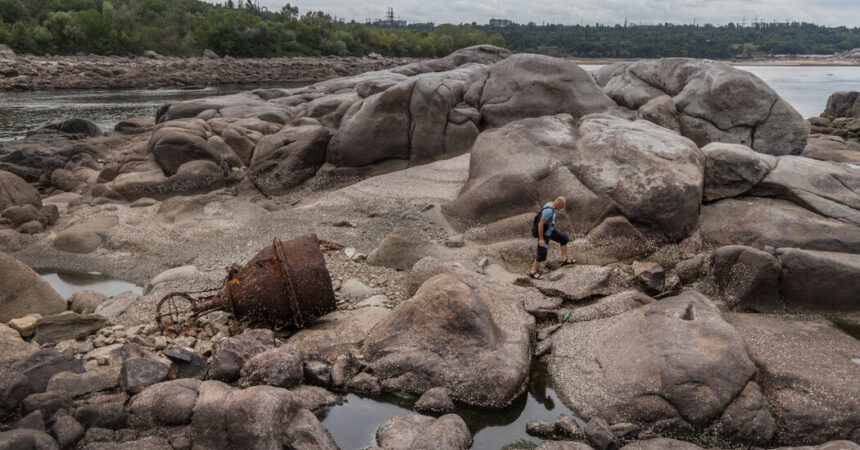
[[66, 283], [354, 422]]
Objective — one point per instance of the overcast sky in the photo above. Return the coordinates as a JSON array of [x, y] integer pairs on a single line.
[[822, 12]]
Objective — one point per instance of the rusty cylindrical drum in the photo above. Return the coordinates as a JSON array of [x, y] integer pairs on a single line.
[[286, 282]]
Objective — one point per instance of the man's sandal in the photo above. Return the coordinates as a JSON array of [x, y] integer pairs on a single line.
[[568, 262], [535, 276]]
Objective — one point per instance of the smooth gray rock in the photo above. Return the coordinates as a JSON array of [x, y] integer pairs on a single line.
[[27, 439], [66, 430], [813, 281], [85, 301], [165, 403], [139, 373], [78, 384], [413, 432], [453, 328], [23, 291], [276, 419], [67, 325], [230, 354], [40, 366], [676, 358], [528, 85], [116, 305], [85, 237], [435, 400], [279, 367], [733, 169], [599, 434], [748, 278], [808, 376]]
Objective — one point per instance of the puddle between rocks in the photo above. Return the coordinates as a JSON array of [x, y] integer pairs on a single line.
[[67, 283], [354, 422]]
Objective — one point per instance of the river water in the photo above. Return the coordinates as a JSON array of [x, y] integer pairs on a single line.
[[805, 87]]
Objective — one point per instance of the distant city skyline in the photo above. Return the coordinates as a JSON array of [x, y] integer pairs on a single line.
[[570, 12]]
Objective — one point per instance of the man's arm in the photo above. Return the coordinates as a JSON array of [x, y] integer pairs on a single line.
[[540, 231]]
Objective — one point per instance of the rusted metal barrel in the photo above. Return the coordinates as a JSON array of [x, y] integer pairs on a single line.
[[285, 283]]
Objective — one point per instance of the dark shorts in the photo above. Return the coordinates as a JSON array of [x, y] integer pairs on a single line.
[[556, 236]]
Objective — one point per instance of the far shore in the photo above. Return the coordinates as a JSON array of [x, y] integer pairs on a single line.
[[734, 62]]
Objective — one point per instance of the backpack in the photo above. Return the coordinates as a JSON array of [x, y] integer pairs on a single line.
[[537, 221]]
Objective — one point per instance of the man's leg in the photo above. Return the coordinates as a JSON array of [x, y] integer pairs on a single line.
[[562, 239]]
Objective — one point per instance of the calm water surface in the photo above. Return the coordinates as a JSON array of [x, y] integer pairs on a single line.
[[67, 283], [353, 423], [806, 88], [22, 111]]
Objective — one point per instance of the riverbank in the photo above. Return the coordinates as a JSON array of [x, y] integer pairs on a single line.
[[113, 72], [738, 62]]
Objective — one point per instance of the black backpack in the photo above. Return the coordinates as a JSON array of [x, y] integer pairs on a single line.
[[537, 221]]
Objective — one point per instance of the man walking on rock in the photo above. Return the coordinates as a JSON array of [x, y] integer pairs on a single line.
[[546, 232]]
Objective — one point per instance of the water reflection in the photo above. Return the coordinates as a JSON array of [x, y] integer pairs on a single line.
[[67, 283], [353, 422], [22, 111]]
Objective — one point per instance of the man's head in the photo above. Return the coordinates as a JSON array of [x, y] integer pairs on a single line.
[[559, 203]]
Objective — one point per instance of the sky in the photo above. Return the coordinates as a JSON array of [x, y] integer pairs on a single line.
[[822, 12]]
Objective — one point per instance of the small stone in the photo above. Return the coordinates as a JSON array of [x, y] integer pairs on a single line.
[[350, 252], [566, 427], [179, 442], [317, 371], [365, 383], [32, 421], [546, 332], [159, 343], [67, 325], [138, 373], [599, 435], [624, 430], [25, 326], [66, 430], [47, 402], [98, 434], [99, 342], [435, 400], [651, 275], [543, 347], [540, 428]]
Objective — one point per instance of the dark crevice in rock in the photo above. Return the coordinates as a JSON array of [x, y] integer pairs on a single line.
[[688, 314]]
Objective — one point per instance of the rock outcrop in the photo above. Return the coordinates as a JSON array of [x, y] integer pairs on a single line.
[[603, 164], [453, 328], [23, 291], [674, 361], [714, 102]]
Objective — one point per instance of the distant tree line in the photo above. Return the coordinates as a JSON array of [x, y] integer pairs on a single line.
[[242, 28], [665, 40], [187, 27]]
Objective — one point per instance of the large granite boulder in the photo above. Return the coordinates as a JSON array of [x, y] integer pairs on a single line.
[[23, 291], [166, 403], [337, 333], [85, 237], [286, 159], [842, 104], [257, 417], [748, 278], [829, 189], [604, 166], [715, 102], [382, 126], [733, 169], [808, 375], [14, 191], [675, 361], [527, 85], [454, 327], [760, 222], [814, 281]]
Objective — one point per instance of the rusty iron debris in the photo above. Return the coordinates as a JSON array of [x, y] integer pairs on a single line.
[[286, 283]]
